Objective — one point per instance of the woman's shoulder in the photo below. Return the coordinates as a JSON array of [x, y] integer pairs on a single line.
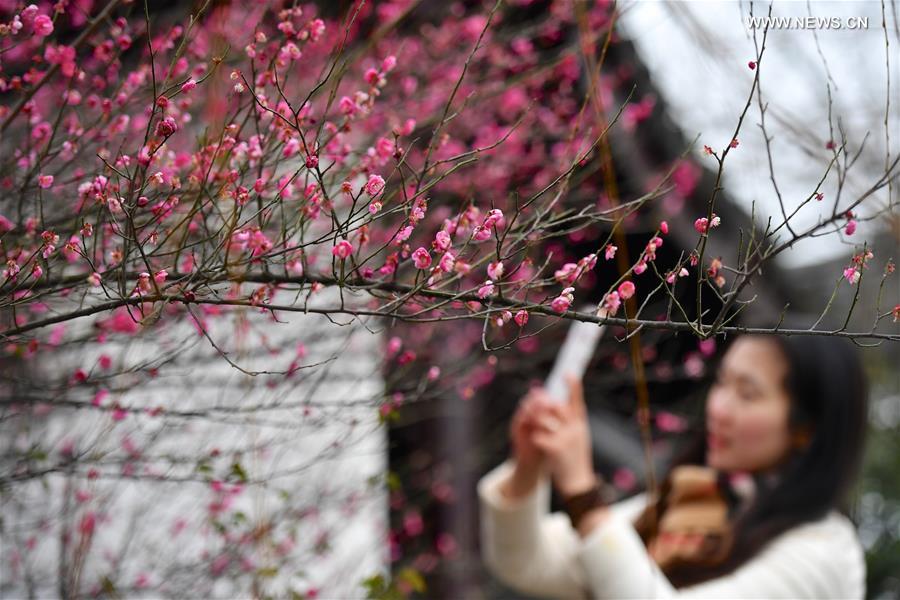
[[829, 546], [833, 528]]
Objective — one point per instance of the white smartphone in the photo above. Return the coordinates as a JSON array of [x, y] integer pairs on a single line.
[[574, 356]]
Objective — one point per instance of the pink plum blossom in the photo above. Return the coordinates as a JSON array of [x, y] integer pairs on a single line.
[[421, 258], [446, 544], [166, 127], [291, 147], [43, 26], [703, 225], [567, 274], [342, 249], [587, 263], [669, 422], [375, 185], [413, 524], [610, 251], [486, 289], [707, 347], [852, 275], [626, 290], [403, 235], [624, 479], [447, 262], [612, 302], [481, 234], [87, 524], [347, 105], [562, 302], [442, 242]]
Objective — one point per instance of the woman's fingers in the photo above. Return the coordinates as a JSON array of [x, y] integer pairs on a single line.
[[545, 441], [551, 408], [525, 405], [538, 394], [549, 422], [516, 421], [533, 402], [539, 410]]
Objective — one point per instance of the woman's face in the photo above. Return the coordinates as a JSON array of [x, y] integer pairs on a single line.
[[747, 408]]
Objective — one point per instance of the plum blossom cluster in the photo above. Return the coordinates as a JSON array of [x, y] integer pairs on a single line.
[[613, 300], [572, 272], [850, 227], [858, 263], [703, 225], [332, 164], [31, 20], [562, 302], [714, 271]]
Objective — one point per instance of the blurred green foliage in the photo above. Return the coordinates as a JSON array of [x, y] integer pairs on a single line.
[[877, 510]]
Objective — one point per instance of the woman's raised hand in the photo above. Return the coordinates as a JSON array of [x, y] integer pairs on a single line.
[[562, 434], [528, 458], [522, 428]]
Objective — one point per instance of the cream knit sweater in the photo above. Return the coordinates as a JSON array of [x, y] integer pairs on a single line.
[[540, 554]]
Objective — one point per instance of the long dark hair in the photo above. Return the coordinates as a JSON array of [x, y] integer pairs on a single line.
[[829, 404]]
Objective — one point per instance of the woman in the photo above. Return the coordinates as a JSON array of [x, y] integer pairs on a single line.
[[750, 512]]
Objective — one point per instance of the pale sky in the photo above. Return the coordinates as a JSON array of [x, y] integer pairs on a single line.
[[698, 52]]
